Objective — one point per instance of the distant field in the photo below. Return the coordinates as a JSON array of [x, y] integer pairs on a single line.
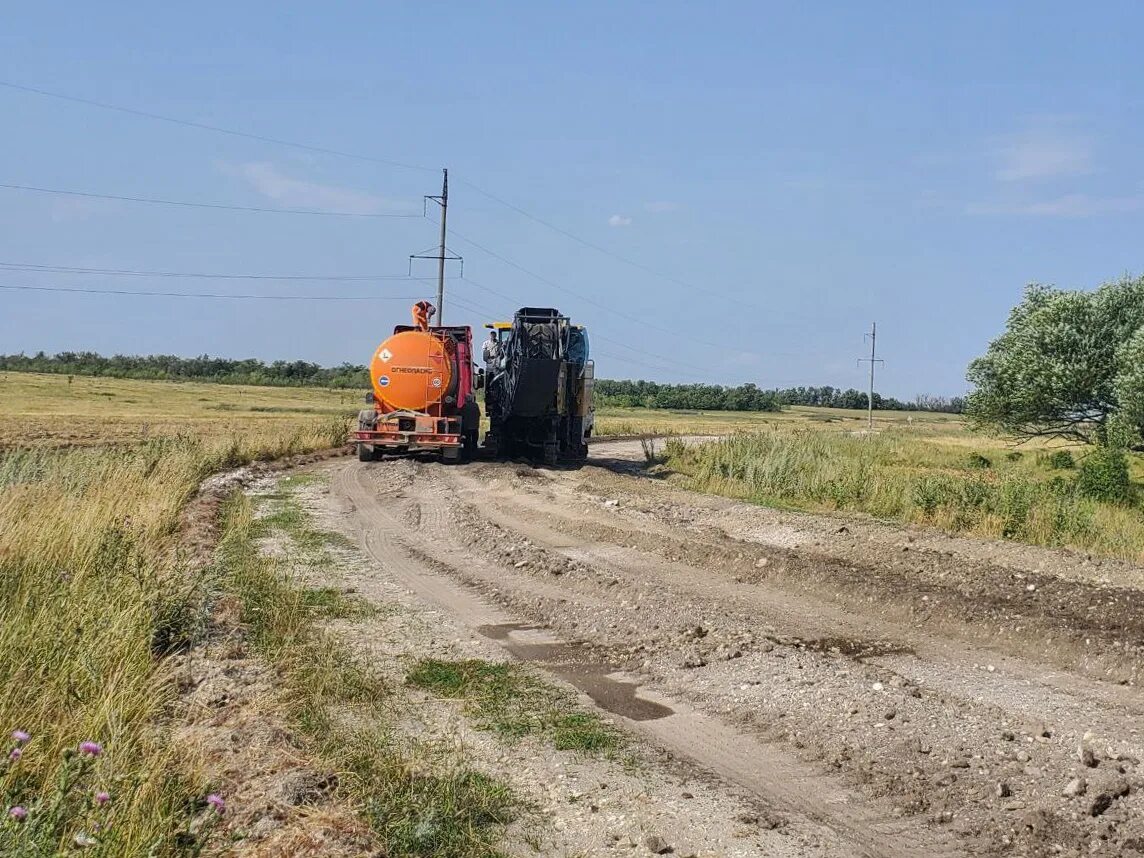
[[48, 410]]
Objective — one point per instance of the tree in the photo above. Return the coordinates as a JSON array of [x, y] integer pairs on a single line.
[[1065, 364]]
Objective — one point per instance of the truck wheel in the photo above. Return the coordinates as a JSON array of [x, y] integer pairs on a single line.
[[365, 452], [451, 455], [551, 454], [470, 448]]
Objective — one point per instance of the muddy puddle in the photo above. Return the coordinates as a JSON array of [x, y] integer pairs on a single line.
[[567, 660]]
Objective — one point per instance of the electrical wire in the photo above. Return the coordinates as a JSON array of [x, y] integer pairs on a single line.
[[126, 272], [359, 157], [600, 249], [186, 204], [202, 126], [89, 291]]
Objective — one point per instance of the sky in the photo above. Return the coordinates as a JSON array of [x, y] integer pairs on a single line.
[[726, 192]]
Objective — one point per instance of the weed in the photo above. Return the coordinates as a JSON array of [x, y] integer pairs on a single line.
[[977, 461], [899, 477], [512, 702], [419, 803]]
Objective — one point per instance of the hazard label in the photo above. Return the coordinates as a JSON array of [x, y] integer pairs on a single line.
[[385, 355], [383, 381]]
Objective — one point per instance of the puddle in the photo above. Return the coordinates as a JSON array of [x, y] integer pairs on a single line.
[[566, 660]]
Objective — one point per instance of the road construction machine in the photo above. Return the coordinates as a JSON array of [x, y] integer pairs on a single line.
[[424, 393], [538, 388]]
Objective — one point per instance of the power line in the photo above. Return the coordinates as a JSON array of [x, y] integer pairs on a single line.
[[185, 204], [577, 295], [126, 272], [672, 361], [202, 126], [88, 291], [600, 249], [368, 158]]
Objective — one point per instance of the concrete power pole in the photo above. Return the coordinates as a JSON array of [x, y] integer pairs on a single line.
[[441, 252], [441, 259], [873, 359]]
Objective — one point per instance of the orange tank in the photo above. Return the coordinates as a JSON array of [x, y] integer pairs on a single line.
[[411, 371]]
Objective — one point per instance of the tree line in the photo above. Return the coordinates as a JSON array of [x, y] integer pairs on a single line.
[[279, 373], [630, 394]]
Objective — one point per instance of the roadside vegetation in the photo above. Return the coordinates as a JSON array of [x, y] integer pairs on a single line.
[[512, 702], [418, 800], [95, 598], [1037, 495]]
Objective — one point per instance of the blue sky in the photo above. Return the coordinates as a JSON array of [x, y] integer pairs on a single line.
[[811, 167]]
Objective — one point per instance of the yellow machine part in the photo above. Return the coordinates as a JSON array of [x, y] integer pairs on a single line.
[[410, 371]]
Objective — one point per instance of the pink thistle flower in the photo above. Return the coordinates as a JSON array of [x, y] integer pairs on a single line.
[[93, 749], [20, 736], [15, 754], [215, 801], [18, 813], [102, 797]]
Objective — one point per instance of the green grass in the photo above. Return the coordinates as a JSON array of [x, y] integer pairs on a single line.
[[925, 480], [510, 701], [330, 603], [417, 800]]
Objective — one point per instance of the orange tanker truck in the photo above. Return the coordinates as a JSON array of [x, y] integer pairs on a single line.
[[423, 397]]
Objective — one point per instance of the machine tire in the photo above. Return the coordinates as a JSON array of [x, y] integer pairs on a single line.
[[451, 455], [551, 454], [365, 453], [470, 445]]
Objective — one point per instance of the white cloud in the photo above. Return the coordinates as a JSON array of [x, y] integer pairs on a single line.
[[1066, 205], [275, 185], [1043, 152], [619, 220], [662, 207]]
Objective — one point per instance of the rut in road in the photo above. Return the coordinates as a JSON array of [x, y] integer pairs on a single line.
[[912, 699], [431, 566]]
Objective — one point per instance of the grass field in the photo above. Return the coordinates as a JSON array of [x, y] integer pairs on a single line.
[[95, 598], [48, 410]]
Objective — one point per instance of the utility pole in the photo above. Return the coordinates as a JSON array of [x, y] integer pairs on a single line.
[[873, 359], [444, 200], [442, 253]]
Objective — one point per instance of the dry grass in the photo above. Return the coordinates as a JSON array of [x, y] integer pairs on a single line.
[[934, 478], [47, 410], [94, 598]]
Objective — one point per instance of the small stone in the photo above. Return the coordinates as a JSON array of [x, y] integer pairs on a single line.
[[1022, 757], [657, 845], [1075, 787], [877, 686], [687, 795], [890, 714], [1030, 587], [761, 562], [1008, 735], [1087, 757], [1003, 790]]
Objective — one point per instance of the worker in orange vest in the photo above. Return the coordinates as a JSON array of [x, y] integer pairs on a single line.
[[423, 311]]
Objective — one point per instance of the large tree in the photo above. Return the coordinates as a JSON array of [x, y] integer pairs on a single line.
[[1068, 366]]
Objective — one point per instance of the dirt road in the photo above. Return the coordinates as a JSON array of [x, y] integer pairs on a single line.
[[899, 691]]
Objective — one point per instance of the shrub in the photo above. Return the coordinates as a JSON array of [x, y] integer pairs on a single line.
[[1014, 456], [976, 460], [1061, 460], [1104, 476]]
